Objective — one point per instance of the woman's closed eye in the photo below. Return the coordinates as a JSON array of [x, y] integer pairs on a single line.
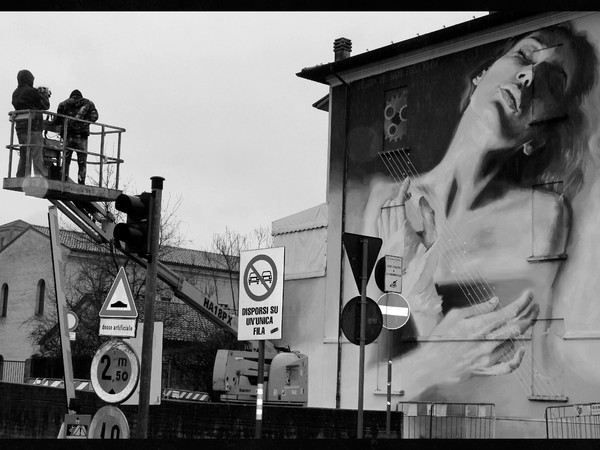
[[525, 55]]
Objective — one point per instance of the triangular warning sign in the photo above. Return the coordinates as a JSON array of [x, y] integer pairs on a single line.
[[354, 249], [119, 301], [77, 430]]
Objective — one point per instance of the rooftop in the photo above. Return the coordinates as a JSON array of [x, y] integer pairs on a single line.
[[79, 241]]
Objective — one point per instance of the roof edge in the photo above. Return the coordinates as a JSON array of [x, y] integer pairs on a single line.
[[322, 72]]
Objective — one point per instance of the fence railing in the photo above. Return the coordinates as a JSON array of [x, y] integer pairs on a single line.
[[12, 371], [573, 421], [103, 151], [425, 420]]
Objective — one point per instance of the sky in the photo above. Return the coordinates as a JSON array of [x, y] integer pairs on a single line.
[[210, 102]]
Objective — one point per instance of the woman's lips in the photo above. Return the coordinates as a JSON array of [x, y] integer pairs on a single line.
[[511, 96]]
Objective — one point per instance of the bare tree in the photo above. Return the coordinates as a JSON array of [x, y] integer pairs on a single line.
[[226, 248], [88, 279]]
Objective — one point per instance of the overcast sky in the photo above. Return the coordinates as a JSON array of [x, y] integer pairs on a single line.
[[210, 101]]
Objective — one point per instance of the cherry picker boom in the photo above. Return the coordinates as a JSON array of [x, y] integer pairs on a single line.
[[235, 372]]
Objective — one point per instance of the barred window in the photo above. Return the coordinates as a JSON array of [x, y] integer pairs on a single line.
[[41, 294], [4, 294]]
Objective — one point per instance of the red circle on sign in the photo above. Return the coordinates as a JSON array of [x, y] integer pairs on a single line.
[[395, 310], [115, 371], [109, 423], [265, 280]]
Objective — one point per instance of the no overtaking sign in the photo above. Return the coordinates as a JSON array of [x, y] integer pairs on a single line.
[[261, 294]]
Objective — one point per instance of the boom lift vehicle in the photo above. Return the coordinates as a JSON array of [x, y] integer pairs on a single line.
[[235, 373]]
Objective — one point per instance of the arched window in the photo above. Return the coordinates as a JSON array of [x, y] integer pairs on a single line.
[[4, 294], [41, 293]]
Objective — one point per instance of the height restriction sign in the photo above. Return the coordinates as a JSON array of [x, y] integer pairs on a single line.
[[261, 294], [115, 371]]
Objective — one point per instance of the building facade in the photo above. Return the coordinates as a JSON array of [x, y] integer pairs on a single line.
[[472, 153]]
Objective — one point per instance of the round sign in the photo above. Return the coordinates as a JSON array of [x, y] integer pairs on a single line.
[[260, 278], [115, 371], [109, 423], [72, 320], [395, 310], [351, 321]]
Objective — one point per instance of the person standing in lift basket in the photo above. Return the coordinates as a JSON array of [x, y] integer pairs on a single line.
[[25, 96], [77, 131]]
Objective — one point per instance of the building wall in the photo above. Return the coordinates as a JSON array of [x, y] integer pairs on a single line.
[[22, 264], [509, 218]]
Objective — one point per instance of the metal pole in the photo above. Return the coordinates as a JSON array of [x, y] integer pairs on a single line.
[[151, 271], [388, 414], [363, 331], [259, 389], [61, 307]]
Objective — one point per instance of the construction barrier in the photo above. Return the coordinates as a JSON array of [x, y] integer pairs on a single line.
[[182, 394], [85, 385], [573, 421], [425, 420], [80, 385]]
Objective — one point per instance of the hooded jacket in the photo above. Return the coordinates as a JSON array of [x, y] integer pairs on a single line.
[[27, 97], [80, 108]]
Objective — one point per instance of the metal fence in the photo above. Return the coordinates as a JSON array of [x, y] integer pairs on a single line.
[[12, 371], [425, 420], [573, 421]]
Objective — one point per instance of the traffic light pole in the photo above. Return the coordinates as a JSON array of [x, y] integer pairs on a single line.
[[151, 273], [363, 332]]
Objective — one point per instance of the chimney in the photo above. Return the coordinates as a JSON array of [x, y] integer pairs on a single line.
[[342, 48]]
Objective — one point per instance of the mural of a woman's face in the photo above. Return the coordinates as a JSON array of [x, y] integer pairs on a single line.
[[528, 83]]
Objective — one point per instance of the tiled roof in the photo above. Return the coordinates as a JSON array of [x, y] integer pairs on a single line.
[[79, 241]]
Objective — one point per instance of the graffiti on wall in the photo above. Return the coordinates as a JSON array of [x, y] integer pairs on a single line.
[[488, 196]]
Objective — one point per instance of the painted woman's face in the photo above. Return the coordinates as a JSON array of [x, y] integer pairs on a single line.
[[529, 83]]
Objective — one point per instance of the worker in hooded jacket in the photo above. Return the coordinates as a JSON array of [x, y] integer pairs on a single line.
[[28, 97], [77, 131]]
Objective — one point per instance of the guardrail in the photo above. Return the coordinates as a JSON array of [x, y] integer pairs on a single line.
[[573, 421], [426, 420]]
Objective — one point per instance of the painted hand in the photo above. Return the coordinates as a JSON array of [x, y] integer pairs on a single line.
[[490, 335]]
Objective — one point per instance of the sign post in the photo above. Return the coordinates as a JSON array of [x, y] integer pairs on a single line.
[[362, 253], [396, 312], [260, 307], [61, 307]]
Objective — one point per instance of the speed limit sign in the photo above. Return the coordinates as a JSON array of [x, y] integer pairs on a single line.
[[115, 371], [109, 423]]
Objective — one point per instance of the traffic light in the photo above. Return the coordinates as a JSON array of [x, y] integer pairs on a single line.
[[134, 233]]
